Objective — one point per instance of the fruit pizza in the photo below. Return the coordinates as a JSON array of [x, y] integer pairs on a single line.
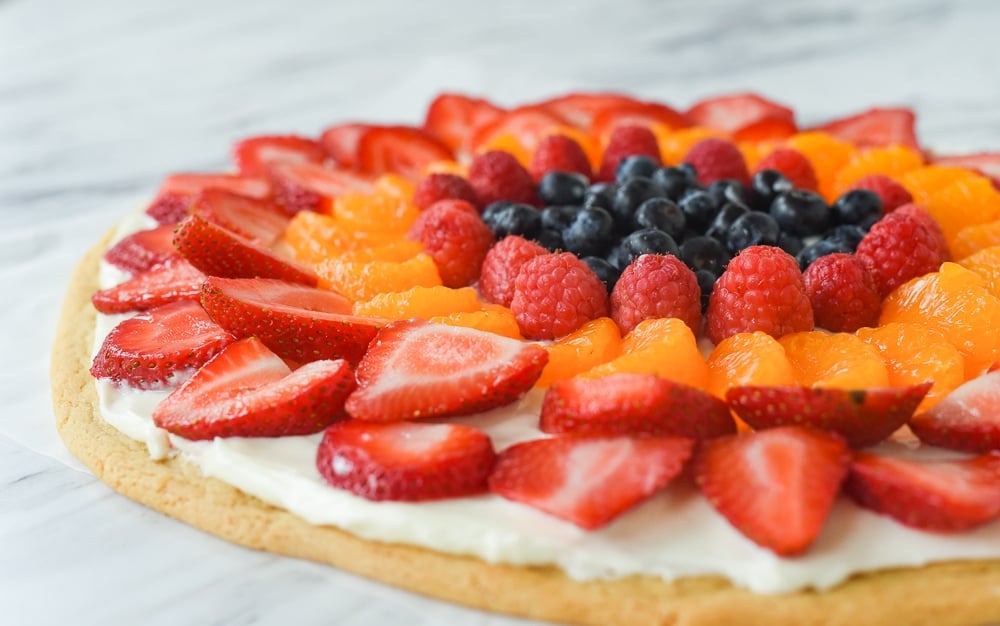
[[592, 359]]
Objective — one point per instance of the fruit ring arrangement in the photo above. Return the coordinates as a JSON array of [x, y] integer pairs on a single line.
[[715, 295]]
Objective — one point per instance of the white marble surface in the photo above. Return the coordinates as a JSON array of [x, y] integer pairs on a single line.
[[99, 100]]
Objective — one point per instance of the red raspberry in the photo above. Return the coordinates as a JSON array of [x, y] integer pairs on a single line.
[[627, 140], [656, 285], [456, 238], [892, 193], [439, 186], [761, 289], [914, 210], [714, 159], [793, 165], [899, 247], [502, 264], [559, 153], [842, 292], [554, 294], [497, 175]]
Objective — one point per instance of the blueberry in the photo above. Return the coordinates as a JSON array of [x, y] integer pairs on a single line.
[[752, 229], [801, 212], [647, 241], [706, 282], [600, 194], [765, 187], [724, 219], [493, 209], [699, 209], [846, 235], [590, 233], [635, 166], [790, 243], [857, 206], [704, 253], [607, 272], [618, 258], [818, 249], [513, 219], [629, 196], [661, 214], [562, 188], [550, 239], [558, 216], [674, 181], [729, 190]]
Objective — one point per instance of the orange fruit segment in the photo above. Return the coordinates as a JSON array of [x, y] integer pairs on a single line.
[[963, 203], [986, 263], [398, 250], [748, 359], [378, 212], [314, 237], [493, 318], [754, 151], [841, 360], [509, 144], [420, 302], [893, 161], [925, 181], [665, 347], [364, 280], [827, 154], [972, 239], [596, 342]]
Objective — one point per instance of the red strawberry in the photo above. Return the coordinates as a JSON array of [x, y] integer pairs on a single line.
[[554, 294], [772, 128], [341, 143], [143, 249], [863, 417], [178, 190], [876, 127], [715, 159], [793, 165], [453, 118], [440, 186], [988, 163], [624, 141], [254, 219], [416, 369], [636, 114], [527, 125], [732, 112], [248, 391], [656, 285], [312, 187], [295, 321], [255, 155], [775, 486], [218, 251], [966, 419], [893, 194], [497, 175], [588, 481], [501, 266], [842, 292], [939, 496], [173, 280], [456, 238], [159, 347], [559, 153], [580, 109], [399, 150], [900, 247], [633, 404], [406, 461]]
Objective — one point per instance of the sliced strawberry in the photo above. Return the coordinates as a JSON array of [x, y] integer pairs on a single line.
[[732, 112], [312, 187], [341, 143], [588, 481], [633, 404], [178, 190], [775, 486], [966, 419], [399, 150], [248, 391], [406, 460], [255, 156], [253, 218], [527, 125], [636, 114], [863, 417], [876, 128], [173, 280], [940, 496], [772, 128], [143, 249], [987, 163], [453, 118], [295, 321], [159, 347], [580, 109], [416, 369], [218, 251]]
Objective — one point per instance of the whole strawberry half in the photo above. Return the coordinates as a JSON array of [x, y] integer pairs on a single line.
[[168, 282], [405, 460], [173, 198], [297, 322], [417, 369], [249, 391], [863, 417], [775, 486], [588, 481], [341, 143], [159, 347], [939, 496], [255, 155], [876, 128], [399, 150], [453, 118], [966, 419], [734, 112], [633, 404], [253, 218], [143, 249], [307, 186]]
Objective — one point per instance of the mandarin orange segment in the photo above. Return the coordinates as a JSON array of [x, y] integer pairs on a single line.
[[314, 237], [914, 354], [420, 302], [925, 181], [378, 212], [596, 342], [822, 359], [957, 303], [964, 203], [827, 154], [509, 144], [748, 359], [665, 347], [398, 250], [975, 238], [675, 144], [364, 280], [754, 151], [986, 263], [893, 161], [492, 318]]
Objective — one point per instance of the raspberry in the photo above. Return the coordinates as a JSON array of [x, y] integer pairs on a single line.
[[554, 294], [892, 193], [627, 140], [656, 285], [456, 238], [443, 186], [921, 214], [842, 292], [502, 264], [715, 159], [497, 175], [899, 247], [559, 153], [761, 289], [793, 165]]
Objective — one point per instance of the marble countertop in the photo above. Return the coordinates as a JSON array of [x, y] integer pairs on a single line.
[[99, 100]]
